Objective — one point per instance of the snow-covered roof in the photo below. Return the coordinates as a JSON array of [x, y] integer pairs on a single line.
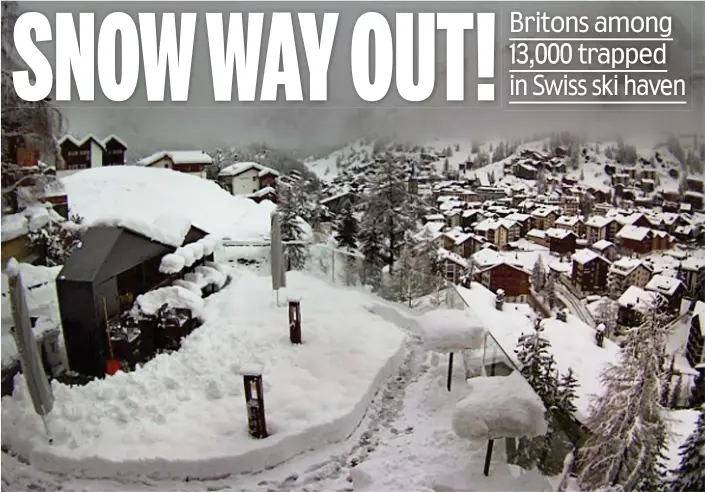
[[518, 217], [555, 233], [625, 265], [455, 258], [493, 224], [241, 167], [165, 209], [544, 212], [584, 256], [599, 221], [693, 263], [637, 298], [177, 157], [78, 142], [602, 245], [634, 233], [663, 284], [568, 220], [536, 233], [114, 137], [267, 190]]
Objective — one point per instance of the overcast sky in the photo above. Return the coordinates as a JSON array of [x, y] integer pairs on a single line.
[[201, 124]]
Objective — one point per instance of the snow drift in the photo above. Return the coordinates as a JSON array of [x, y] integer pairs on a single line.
[[451, 330], [161, 204], [499, 407]]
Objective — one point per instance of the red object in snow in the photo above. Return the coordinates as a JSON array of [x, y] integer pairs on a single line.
[[112, 366]]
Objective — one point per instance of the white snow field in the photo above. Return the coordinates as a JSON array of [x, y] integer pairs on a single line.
[[183, 415], [126, 195]]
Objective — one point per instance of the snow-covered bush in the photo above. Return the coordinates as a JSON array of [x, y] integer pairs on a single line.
[[56, 240]]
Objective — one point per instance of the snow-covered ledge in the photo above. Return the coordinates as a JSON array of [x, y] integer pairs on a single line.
[[186, 256]]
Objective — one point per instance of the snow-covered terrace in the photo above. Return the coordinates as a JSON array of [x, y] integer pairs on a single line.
[[183, 414]]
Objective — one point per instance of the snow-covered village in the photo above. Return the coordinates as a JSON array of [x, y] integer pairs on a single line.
[[436, 314]]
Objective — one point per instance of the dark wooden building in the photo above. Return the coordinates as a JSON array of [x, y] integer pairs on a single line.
[[561, 241], [589, 271], [99, 281], [635, 239], [513, 280], [115, 151], [89, 152]]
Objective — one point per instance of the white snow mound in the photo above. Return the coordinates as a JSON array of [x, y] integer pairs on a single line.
[[173, 296], [161, 203], [451, 330], [499, 407]]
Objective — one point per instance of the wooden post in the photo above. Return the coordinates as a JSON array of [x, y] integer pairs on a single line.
[[488, 457], [450, 370], [295, 320], [254, 400]]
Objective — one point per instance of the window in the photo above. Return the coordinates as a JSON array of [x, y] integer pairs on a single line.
[[450, 271], [254, 178]]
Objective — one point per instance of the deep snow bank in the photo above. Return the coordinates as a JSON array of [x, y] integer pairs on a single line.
[[183, 415], [156, 202]]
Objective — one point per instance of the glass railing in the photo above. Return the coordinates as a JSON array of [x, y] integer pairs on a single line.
[[546, 453], [421, 292]]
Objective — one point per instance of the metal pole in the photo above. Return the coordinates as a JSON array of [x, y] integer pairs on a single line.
[[488, 457], [450, 370]]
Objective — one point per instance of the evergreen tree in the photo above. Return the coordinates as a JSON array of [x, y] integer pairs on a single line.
[[550, 291], [537, 366], [538, 275], [628, 427], [291, 227], [567, 393], [690, 475], [55, 242], [347, 228], [390, 213]]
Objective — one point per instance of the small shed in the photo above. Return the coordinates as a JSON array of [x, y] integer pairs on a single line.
[[99, 281]]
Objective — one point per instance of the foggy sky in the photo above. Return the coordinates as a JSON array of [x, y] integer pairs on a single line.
[[201, 123]]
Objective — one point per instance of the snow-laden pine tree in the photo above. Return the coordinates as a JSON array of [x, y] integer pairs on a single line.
[[538, 275], [348, 228], [390, 212], [690, 475], [291, 227], [627, 422], [538, 368], [25, 125], [55, 242], [550, 291]]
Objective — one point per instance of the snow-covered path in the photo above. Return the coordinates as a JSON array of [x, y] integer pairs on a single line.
[[574, 305]]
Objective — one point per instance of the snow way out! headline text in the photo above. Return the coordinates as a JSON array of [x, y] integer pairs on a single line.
[[238, 54]]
